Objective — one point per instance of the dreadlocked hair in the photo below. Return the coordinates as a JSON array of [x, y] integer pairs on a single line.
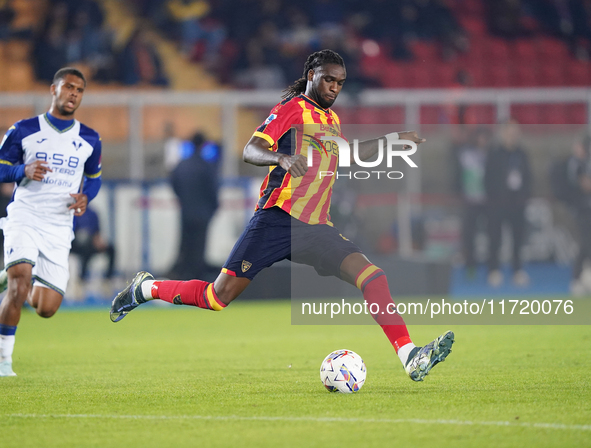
[[316, 59]]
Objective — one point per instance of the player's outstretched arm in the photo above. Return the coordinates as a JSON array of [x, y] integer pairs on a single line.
[[257, 152], [369, 148]]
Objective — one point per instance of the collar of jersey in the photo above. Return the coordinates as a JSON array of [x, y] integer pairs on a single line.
[[314, 103], [61, 131]]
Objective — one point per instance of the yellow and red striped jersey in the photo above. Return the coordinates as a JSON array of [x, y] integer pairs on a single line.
[[295, 127]]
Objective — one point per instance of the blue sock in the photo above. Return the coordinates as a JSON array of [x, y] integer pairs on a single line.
[[7, 330]]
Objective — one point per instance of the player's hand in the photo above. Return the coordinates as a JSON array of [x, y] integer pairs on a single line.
[[79, 206], [412, 136], [37, 170], [296, 165]]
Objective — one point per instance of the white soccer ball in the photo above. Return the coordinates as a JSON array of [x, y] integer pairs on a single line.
[[343, 371]]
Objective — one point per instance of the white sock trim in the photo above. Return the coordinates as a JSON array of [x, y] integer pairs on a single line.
[[147, 289], [6, 348], [404, 351]]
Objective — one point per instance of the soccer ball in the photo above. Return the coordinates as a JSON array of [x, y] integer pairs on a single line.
[[343, 371]]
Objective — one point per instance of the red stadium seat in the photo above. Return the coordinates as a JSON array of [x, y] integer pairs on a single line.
[[526, 113], [479, 114], [418, 74], [577, 74], [425, 51], [394, 75], [498, 76], [553, 49], [498, 50], [576, 114], [473, 25], [552, 74], [523, 51], [525, 76], [552, 114]]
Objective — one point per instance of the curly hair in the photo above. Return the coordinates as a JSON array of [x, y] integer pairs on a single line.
[[316, 59]]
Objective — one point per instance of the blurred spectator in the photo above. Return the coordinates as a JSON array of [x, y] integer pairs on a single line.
[[505, 18], [88, 242], [173, 147], [507, 180], [259, 74], [469, 184], [50, 46], [195, 25], [139, 61], [195, 181], [6, 16], [579, 175]]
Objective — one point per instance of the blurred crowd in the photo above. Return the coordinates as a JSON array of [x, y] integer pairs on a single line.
[[493, 177], [262, 43], [75, 32]]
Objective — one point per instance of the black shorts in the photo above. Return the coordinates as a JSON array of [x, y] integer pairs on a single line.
[[273, 235]]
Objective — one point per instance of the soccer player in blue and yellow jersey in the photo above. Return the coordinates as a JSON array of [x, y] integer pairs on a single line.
[[48, 157], [292, 221]]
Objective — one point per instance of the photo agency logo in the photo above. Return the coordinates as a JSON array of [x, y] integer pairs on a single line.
[[337, 145]]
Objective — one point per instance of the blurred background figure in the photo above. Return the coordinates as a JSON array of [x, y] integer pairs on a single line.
[[89, 242], [507, 181], [195, 181], [470, 162], [579, 175]]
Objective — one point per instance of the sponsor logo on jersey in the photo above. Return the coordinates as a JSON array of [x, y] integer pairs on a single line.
[[246, 265], [42, 140], [270, 118]]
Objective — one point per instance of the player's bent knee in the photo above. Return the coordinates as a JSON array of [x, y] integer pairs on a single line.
[[46, 312]]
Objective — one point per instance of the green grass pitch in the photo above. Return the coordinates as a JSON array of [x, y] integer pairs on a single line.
[[181, 377]]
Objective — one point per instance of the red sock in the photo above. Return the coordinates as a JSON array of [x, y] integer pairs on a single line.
[[194, 293], [373, 284]]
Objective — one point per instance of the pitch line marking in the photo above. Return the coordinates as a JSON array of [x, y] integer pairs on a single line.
[[310, 419]]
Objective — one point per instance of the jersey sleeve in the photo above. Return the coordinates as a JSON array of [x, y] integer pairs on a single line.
[[282, 118], [92, 166], [11, 148]]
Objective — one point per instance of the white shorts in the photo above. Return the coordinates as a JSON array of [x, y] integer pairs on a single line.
[[46, 251]]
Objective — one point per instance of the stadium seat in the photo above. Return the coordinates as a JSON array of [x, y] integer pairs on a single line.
[[479, 114], [473, 25], [552, 49], [552, 75], [552, 114], [523, 51], [577, 74], [425, 51], [394, 75], [418, 74], [576, 113], [442, 75], [526, 113], [432, 115], [497, 50], [525, 75], [498, 76]]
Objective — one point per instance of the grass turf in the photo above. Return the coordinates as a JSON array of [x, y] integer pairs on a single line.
[[246, 377]]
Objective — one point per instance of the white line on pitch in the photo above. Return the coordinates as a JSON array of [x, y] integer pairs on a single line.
[[309, 419]]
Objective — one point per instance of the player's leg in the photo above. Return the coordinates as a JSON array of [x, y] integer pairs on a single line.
[[19, 286], [46, 301], [371, 280], [251, 253]]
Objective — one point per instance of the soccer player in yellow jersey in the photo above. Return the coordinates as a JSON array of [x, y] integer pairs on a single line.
[[292, 221]]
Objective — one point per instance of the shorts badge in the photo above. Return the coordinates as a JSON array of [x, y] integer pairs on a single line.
[[246, 265], [177, 300]]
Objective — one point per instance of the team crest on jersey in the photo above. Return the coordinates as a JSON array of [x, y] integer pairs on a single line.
[[177, 300], [270, 118], [246, 265], [76, 144]]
